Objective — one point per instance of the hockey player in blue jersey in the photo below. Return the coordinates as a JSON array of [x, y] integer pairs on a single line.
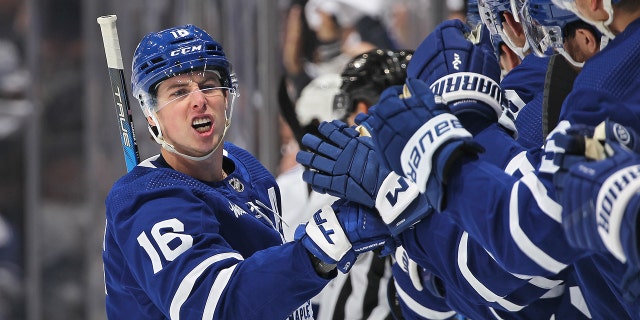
[[194, 232], [523, 81], [463, 267], [474, 285], [525, 207], [405, 121]]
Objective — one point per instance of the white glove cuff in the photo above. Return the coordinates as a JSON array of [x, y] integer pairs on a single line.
[[326, 232], [469, 85], [611, 204], [416, 157], [395, 195]]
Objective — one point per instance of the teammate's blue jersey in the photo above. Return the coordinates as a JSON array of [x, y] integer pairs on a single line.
[[529, 123], [418, 304], [523, 82], [179, 248], [609, 87], [523, 87], [475, 285], [519, 220]]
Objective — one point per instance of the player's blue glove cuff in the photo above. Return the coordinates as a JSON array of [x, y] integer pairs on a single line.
[[336, 234]]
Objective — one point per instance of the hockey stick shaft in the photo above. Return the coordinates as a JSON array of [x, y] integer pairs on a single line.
[[119, 89]]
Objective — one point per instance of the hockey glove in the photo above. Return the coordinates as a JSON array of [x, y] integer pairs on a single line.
[[336, 234], [568, 145], [418, 138], [344, 164], [461, 70], [600, 204], [599, 196]]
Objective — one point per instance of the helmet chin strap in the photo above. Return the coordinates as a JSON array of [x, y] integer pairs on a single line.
[[602, 26], [520, 51], [169, 147], [570, 59]]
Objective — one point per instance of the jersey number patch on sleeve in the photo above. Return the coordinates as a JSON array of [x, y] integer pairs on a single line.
[[164, 233]]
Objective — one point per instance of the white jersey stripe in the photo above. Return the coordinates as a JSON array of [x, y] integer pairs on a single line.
[[420, 309], [216, 290], [519, 162], [477, 285], [540, 194], [186, 286], [524, 243], [554, 293], [577, 300], [495, 314]]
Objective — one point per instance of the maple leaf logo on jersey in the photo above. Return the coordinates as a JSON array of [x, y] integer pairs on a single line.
[[236, 210]]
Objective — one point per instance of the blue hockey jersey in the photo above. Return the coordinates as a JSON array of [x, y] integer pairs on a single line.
[[523, 82], [521, 226], [475, 285], [179, 248]]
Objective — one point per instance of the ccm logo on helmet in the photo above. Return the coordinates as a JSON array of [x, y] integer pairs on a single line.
[[185, 50]]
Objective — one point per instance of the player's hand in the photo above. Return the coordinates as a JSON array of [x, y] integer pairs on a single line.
[[336, 234], [418, 138], [460, 69], [342, 163]]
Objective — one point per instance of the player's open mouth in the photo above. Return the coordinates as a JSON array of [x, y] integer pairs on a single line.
[[201, 124]]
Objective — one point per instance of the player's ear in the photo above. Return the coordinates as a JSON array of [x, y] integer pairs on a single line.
[[151, 122], [588, 40]]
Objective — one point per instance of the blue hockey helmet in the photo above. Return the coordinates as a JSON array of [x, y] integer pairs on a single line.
[[490, 11], [492, 15], [162, 55], [543, 23], [473, 14]]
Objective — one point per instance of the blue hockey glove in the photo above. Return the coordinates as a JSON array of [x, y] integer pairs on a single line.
[[596, 194], [344, 164], [568, 144], [418, 138], [336, 234], [600, 203], [460, 69]]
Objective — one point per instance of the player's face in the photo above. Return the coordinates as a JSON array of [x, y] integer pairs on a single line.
[[192, 111], [583, 7]]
